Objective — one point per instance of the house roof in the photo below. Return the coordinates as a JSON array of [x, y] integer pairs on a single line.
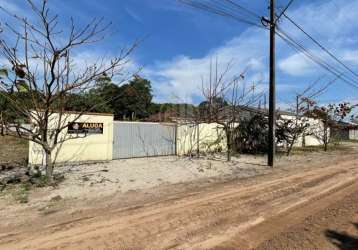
[[241, 112], [343, 125], [265, 111]]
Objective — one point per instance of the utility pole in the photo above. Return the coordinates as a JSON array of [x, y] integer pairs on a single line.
[[265, 101], [297, 105], [272, 96]]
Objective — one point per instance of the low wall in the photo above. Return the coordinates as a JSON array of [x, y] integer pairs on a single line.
[[353, 134], [315, 131], [206, 137], [80, 147]]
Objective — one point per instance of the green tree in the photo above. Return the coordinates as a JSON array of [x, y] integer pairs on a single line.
[[207, 108], [130, 101], [134, 99]]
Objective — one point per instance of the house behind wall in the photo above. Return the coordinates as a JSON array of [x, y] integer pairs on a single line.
[[154, 139], [208, 137], [315, 130], [344, 130]]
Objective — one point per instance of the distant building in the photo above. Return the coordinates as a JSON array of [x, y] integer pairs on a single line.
[[344, 130]]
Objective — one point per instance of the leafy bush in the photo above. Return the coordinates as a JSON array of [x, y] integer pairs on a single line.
[[251, 135]]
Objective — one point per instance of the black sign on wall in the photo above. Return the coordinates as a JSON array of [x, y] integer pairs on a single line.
[[85, 128]]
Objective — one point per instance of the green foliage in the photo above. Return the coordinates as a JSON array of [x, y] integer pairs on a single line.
[[22, 86], [134, 99], [8, 110], [22, 193], [131, 101], [3, 73], [184, 109], [251, 135], [208, 109], [89, 101]]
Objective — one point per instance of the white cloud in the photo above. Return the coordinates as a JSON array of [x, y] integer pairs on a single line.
[[296, 65], [350, 56], [133, 14], [181, 78], [332, 22], [327, 19]]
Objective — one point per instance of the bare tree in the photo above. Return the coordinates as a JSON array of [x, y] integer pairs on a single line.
[[42, 72], [290, 130], [224, 98], [330, 115]]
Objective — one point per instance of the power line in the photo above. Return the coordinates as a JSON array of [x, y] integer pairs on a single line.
[[300, 48], [221, 9], [243, 8], [320, 45], [311, 85], [284, 10], [318, 60], [325, 87], [314, 59]]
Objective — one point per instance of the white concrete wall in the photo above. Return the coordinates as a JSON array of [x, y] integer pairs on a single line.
[[211, 138], [90, 147], [315, 132], [353, 134]]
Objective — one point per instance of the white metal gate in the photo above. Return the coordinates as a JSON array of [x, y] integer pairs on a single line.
[[142, 139]]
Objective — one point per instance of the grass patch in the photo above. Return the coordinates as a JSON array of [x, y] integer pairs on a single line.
[[21, 193], [311, 149], [351, 140], [13, 149]]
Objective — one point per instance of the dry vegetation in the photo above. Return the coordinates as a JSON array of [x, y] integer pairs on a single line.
[[13, 149]]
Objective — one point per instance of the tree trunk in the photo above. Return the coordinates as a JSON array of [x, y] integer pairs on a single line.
[[291, 144], [49, 167], [2, 124], [289, 149], [228, 144], [325, 136], [197, 141]]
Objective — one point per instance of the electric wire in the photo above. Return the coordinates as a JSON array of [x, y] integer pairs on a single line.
[[300, 48], [320, 45], [223, 10]]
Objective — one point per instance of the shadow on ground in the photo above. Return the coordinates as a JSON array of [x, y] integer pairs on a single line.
[[343, 241]]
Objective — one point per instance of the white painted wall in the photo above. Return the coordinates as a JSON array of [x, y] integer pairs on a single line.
[[315, 132], [211, 138], [91, 147], [353, 134]]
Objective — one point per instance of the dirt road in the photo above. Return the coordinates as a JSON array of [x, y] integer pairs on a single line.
[[307, 209]]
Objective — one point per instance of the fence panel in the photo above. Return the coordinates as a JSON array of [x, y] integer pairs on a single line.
[[141, 139]]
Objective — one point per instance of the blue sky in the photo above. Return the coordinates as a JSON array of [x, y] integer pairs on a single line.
[[179, 42]]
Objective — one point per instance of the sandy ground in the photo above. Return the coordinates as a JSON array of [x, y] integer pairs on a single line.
[[105, 179], [174, 203]]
